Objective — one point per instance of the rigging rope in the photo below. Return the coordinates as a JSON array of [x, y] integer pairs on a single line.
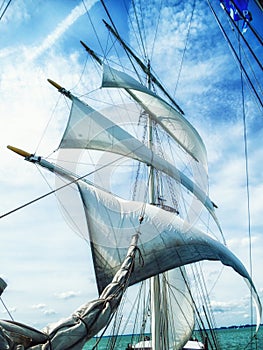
[[6, 309], [74, 181], [139, 30], [232, 49], [247, 188], [73, 222], [199, 317], [243, 73], [245, 40], [115, 29], [94, 29], [185, 46], [4, 10], [248, 23], [156, 30]]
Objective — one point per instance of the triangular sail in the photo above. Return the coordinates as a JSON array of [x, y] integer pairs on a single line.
[[166, 241]]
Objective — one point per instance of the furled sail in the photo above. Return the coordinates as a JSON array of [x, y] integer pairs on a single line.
[[73, 332], [164, 114], [90, 129], [166, 241]]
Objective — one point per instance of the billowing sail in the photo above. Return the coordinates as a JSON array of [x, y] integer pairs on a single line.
[[90, 129], [166, 241], [165, 115], [180, 309]]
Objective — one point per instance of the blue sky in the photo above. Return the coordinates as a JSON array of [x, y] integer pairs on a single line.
[[45, 264]]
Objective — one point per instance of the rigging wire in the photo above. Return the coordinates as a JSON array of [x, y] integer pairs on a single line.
[[5, 9], [242, 74], [185, 47], [199, 317], [94, 29], [248, 23], [247, 189], [156, 30], [6, 308], [239, 35], [111, 20], [208, 311], [204, 302], [74, 181], [233, 51], [139, 29], [48, 123], [245, 41], [73, 222]]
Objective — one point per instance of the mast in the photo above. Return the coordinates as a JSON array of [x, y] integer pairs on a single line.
[[155, 286], [159, 335], [154, 281]]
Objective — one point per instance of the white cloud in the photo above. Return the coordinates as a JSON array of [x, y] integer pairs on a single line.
[[49, 312], [62, 27], [38, 306], [67, 295]]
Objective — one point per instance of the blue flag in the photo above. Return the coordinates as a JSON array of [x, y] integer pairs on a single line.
[[236, 9]]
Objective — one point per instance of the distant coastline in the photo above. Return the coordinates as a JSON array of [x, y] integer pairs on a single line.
[[196, 330], [238, 327]]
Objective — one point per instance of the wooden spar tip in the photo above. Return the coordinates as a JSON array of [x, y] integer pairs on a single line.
[[56, 85], [19, 151], [60, 88]]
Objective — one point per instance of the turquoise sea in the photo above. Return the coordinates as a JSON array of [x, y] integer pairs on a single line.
[[228, 339]]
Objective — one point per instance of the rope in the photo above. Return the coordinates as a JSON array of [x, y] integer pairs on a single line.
[[240, 64], [247, 189], [139, 30], [156, 30], [248, 23], [185, 46], [245, 40], [198, 314], [4, 11], [115, 29], [73, 222], [6, 309], [94, 29]]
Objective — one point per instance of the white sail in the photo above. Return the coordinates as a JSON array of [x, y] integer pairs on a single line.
[[166, 241], [177, 302], [164, 114], [90, 129]]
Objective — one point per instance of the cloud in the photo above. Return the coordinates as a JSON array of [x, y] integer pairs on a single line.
[[49, 312], [79, 10], [38, 306], [223, 306], [67, 295]]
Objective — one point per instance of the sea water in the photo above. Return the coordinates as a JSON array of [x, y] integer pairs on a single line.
[[228, 339]]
